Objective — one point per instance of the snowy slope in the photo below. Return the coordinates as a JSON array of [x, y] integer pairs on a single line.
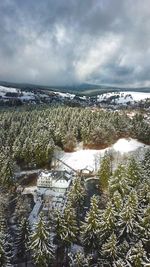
[[4, 90], [123, 97], [84, 158]]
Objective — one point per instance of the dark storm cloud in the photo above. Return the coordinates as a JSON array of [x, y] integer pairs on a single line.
[[61, 42]]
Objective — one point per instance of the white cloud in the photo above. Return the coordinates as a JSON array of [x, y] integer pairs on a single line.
[[94, 57]]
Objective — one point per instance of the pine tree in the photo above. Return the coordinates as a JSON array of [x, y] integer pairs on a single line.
[[134, 172], [7, 174], [2, 251], [144, 193], [146, 163], [110, 250], [76, 196], [70, 230], [22, 239], [108, 222], [137, 257], [105, 172], [117, 201], [118, 182], [91, 227], [128, 217], [9, 250], [79, 260], [66, 230], [41, 244], [143, 229]]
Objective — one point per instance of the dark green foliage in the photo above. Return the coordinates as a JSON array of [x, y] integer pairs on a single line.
[[76, 196], [66, 226], [105, 172], [91, 226], [41, 245], [22, 238], [2, 251]]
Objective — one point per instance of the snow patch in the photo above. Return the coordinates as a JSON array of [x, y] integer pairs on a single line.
[[123, 97], [90, 158], [127, 145]]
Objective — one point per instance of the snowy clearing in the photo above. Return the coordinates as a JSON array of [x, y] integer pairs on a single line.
[[85, 158]]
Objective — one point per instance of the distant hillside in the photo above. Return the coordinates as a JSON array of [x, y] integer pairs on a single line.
[[78, 89]]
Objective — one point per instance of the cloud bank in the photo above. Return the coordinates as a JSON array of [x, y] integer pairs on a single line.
[[67, 42]]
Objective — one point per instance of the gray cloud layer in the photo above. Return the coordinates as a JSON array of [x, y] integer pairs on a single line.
[[69, 41]]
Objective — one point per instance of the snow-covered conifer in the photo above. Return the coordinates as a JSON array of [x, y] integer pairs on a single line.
[[79, 260], [134, 172], [76, 196], [118, 181], [41, 244], [22, 238], [110, 250], [2, 251], [108, 222], [137, 257], [91, 226], [105, 172], [128, 216]]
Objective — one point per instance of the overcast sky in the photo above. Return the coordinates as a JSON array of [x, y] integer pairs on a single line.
[[58, 42]]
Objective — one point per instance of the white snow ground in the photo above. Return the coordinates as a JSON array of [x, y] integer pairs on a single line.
[[137, 96], [84, 158], [4, 90], [124, 97]]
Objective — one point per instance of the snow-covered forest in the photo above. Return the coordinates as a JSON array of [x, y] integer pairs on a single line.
[[111, 226]]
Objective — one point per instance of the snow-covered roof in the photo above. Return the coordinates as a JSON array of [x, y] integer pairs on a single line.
[[54, 179]]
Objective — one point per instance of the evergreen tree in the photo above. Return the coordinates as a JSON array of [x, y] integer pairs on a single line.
[[110, 249], [79, 260], [105, 172], [128, 217], [137, 257], [66, 230], [2, 251], [41, 244], [108, 222], [76, 196], [117, 201], [7, 174], [143, 230], [22, 239], [119, 182], [146, 163], [134, 172], [9, 250], [91, 227]]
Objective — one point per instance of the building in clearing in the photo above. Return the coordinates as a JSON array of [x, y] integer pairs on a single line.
[[58, 181]]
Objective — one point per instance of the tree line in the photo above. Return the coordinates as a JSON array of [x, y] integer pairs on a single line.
[[28, 136]]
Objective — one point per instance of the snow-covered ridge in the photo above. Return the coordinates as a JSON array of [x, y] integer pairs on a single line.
[[123, 97], [112, 98], [65, 95], [4, 90], [25, 95]]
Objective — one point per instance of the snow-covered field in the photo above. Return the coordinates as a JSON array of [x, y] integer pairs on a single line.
[[84, 158], [124, 97], [65, 95], [137, 96], [25, 95], [4, 90]]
